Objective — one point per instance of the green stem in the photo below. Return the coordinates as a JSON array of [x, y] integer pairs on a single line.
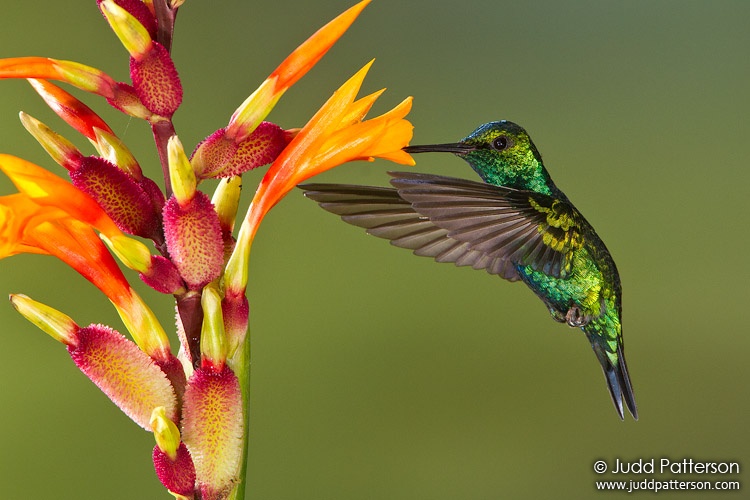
[[242, 370]]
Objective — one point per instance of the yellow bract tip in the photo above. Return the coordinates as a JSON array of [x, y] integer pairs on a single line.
[[181, 173], [133, 35], [57, 325], [213, 337], [62, 151], [131, 252], [166, 433]]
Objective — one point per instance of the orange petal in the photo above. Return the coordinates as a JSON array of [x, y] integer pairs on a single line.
[[334, 135], [303, 146], [74, 112], [295, 66], [359, 108], [48, 189], [309, 53], [79, 75], [17, 211], [76, 244]]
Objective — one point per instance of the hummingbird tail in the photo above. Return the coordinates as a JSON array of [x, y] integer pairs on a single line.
[[618, 380]]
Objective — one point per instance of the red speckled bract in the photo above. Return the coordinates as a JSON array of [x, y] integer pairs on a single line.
[[212, 153], [261, 148], [163, 275], [127, 375], [120, 195], [126, 99], [154, 192], [236, 310], [219, 156], [193, 236], [177, 475], [212, 426], [175, 372], [156, 82]]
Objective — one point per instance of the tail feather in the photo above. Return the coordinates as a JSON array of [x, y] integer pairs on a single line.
[[618, 380]]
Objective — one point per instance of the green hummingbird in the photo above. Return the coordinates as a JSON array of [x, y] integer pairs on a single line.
[[516, 224]]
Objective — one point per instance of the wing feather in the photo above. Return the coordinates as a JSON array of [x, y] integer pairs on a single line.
[[465, 222]]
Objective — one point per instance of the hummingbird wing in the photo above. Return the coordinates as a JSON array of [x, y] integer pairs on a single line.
[[386, 215], [465, 222], [515, 226]]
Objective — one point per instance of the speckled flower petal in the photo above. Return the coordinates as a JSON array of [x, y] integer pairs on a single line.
[[156, 82], [129, 377], [194, 241], [212, 427], [177, 475], [219, 156], [120, 195]]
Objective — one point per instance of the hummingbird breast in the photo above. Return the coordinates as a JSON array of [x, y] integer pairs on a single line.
[[584, 286]]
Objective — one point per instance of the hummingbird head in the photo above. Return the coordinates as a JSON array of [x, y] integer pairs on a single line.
[[502, 153]]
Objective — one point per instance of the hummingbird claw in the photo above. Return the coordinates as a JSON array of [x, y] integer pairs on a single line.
[[576, 318]]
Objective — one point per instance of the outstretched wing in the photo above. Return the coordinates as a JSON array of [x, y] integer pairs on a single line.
[[465, 222]]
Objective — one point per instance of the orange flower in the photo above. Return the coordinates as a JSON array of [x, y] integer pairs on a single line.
[[335, 135], [295, 66], [76, 74], [73, 111], [247, 142], [51, 216], [46, 189]]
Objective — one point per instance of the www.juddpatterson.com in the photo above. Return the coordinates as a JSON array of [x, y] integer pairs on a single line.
[[656, 485]]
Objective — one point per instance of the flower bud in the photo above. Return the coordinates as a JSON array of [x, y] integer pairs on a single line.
[[213, 337], [62, 151], [132, 33], [181, 173], [79, 75], [69, 108], [51, 321], [112, 149], [139, 10]]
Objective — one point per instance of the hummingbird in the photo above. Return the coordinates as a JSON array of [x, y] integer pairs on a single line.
[[516, 224]]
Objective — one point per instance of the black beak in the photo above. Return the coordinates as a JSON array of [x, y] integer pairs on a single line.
[[456, 148]]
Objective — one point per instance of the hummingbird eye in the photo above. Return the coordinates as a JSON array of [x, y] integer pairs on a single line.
[[502, 143]]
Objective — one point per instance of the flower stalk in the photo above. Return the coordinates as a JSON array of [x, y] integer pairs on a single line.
[[179, 241]]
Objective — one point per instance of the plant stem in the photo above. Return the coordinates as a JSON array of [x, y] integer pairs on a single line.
[[165, 18], [163, 130]]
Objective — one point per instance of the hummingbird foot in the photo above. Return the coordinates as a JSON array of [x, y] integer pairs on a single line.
[[576, 318]]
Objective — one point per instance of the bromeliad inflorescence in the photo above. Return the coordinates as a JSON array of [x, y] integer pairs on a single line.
[[194, 402]]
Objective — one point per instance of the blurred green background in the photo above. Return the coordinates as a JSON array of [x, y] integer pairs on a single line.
[[380, 375]]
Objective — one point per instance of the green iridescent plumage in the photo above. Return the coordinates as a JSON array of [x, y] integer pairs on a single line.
[[516, 224]]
